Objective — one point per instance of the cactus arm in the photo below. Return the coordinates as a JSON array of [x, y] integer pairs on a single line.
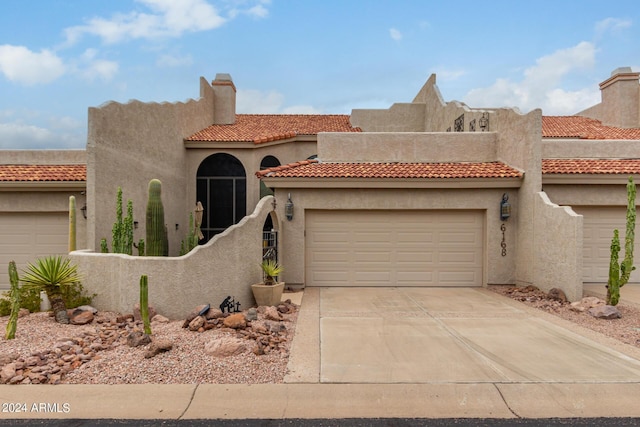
[[127, 235], [10, 332], [144, 303], [72, 223], [613, 284], [627, 264]]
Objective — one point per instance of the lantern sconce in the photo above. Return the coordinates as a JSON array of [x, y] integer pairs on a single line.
[[505, 207], [288, 208], [83, 209], [484, 122]]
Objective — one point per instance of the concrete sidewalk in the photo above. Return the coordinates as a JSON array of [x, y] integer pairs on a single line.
[[392, 352]]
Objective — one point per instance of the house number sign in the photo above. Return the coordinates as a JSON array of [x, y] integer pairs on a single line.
[[503, 227]]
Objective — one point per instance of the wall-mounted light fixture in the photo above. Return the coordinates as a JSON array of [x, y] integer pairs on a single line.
[[288, 208], [505, 207], [135, 224], [83, 209], [484, 122], [177, 226]]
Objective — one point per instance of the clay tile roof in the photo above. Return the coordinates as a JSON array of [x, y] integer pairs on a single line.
[[259, 128], [591, 166], [583, 128], [315, 169], [42, 173]]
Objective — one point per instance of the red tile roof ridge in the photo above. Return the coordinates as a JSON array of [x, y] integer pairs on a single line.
[[584, 128], [429, 170], [268, 171], [43, 173], [591, 166]]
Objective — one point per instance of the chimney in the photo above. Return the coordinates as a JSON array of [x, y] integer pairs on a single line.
[[224, 100], [621, 99]]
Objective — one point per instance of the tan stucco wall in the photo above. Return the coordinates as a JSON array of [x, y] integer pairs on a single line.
[[130, 144], [590, 149], [407, 147], [589, 194], [226, 266], [497, 269], [558, 241]]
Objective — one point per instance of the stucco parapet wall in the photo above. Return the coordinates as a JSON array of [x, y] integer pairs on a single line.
[[557, 247], [43, 157], [590, 149], [407, 147], [400, 117], [226, 266]]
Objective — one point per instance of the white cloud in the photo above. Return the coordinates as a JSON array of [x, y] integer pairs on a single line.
[[395, 34], [174, 61], [258, 102], [539, 87], [23, 136], [168, 18], [613, 25], [444, 74], [21, 65]]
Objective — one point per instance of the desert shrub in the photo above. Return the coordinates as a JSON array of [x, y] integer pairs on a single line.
[[74, 295], [29, 299]]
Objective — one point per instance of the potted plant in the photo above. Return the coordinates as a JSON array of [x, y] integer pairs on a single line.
[[269, 292]]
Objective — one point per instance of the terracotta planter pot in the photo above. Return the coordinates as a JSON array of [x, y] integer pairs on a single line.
[[268, 295]]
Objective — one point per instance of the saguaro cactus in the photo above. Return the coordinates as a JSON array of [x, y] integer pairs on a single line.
[[144, 303], [15, 302], [72, 223], [116, 232], [157, 240], [619, 273]]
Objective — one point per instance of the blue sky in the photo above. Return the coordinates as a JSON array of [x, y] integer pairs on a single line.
[[60, 57]]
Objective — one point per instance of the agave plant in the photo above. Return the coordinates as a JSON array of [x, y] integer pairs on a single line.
[[271, 269], [49, 274]]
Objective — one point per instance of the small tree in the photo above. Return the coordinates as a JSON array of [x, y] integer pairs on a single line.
[[49, 275], [619, 272]]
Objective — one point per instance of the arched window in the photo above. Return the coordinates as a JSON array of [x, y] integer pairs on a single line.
[[266, 163], [221, 187]]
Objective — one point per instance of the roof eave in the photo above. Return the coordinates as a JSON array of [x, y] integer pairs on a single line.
[[587, 178], [453, 183], [42, 185]]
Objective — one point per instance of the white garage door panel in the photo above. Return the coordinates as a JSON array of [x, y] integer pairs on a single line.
[[27, 236], [394, 248], [598, 226]]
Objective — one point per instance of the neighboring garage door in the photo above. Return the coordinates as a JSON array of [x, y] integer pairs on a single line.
[[598, 226], [393, 248], [26, 236]]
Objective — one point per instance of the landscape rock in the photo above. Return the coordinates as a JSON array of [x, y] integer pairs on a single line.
[[160, 319], [235, 321], [138, 338], [272, 313], [7, 372], [23, 312], [557, 294], [605, 312], [196, 323], [80, 317], [214, 313], [225, 346], [252, 314], [88, 308], [158, 346]]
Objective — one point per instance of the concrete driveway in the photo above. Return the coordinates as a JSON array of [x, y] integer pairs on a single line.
[[445, 335]]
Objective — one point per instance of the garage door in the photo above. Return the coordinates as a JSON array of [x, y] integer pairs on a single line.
[[393, 248], [26, 236], [598, 226]]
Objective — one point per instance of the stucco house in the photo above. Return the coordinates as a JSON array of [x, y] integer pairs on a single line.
[[424, 193]]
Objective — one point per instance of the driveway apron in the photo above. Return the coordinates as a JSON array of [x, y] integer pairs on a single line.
[[453, 335]]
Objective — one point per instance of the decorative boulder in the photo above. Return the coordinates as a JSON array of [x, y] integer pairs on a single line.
[[605, 312]]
